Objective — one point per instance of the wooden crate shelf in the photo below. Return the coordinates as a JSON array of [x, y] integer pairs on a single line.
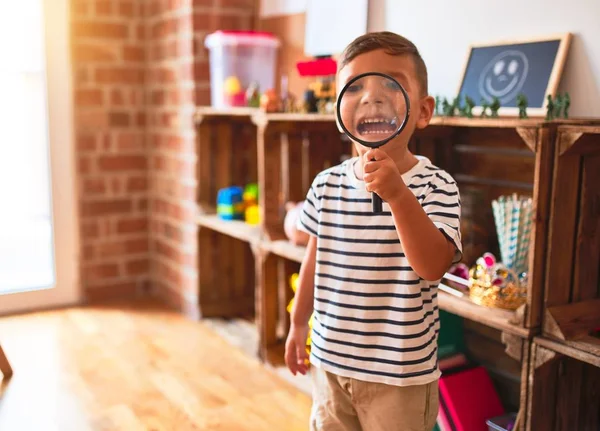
[[572, 288], [554, 162], [563, 390]]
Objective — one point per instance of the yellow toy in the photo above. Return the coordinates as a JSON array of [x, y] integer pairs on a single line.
[[252, 214], [294, 284], [232, 86]]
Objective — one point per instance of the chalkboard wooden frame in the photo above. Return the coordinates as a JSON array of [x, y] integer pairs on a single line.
[[560, 43]]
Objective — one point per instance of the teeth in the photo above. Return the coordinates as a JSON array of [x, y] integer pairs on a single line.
[[375, 120]]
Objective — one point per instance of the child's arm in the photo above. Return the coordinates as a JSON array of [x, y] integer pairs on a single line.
[[295, 348], [429, 251]]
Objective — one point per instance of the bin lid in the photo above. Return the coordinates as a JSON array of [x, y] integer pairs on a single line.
[[237, 37]]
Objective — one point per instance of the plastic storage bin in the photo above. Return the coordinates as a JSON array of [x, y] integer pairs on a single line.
[[237, 60]]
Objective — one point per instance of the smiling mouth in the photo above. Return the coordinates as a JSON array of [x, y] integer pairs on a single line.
[[377, 126]]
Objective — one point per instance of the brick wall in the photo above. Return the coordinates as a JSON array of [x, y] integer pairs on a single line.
[[109, 59], [178, 80], [140, 68]]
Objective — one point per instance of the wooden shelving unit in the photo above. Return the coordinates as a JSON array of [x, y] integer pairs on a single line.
[[488, 157]]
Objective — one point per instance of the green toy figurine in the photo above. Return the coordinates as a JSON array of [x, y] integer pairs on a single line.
[[446, 107], [468, 108], [484, 107], [566, 105], [549, 108], [494, 106], [522, 105], [438, 103], [558, 105]]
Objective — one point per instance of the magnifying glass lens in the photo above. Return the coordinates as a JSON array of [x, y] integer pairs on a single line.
[[373, 109]]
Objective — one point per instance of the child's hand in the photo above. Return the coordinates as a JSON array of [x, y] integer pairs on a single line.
[[382, 176], [296, 357]]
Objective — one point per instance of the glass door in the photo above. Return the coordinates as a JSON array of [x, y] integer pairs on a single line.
[[38, 224]]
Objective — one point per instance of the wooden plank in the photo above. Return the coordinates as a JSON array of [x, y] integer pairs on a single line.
[[266, 306], [542, 394], [586, 350], [233, 228], [539, 228], [529, 136], [577, 319], [568, 390], [204, 138], [495, 166], [285, 248], [494, 317], [587, 253], [563, 213], [269, 181]]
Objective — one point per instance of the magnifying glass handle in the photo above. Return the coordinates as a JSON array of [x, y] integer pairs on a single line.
[[377, 203]]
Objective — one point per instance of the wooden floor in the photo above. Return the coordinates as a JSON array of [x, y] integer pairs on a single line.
[[137, 367]]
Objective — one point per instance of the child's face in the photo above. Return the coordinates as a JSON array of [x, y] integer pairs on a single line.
[[401, 68]]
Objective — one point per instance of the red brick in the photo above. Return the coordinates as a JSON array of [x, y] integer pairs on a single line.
[[202, 71], [94, 186], [134, 53], [126, 8], [100, 30], [116, 290], [115, 75], [137, 184], [88, 252], [141, 32], [203, 21], [202, 96], [141, 119], [142, 204], [103, 7], [121, 163], [116, 185], [116, 97], [86, 143], [92, 120], [128, 141], [91, 97], [89, 230], [136, 246], [101, 271], [137, 267], [244, 4], [119, 119], [85, 52], [83, 165], [80, 8], [99, 208], [132, 225]]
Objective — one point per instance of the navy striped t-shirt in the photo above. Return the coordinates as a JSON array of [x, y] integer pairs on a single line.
[[375, 319]]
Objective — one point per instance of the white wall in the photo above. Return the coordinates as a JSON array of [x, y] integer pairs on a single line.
[[443, 30]]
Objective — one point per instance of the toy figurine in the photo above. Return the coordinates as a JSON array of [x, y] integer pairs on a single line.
[[253, 95], [549, 108], [269, 101], [446, 107], [567, 104], [558, 105], [230, 203], [438, 103], [495, 106], [484, 107], [522, 105], [469, 104]]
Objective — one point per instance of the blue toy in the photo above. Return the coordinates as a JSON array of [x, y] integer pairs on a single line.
[[230, 203]]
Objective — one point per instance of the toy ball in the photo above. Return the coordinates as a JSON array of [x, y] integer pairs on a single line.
[[295, 235], [232, 86]]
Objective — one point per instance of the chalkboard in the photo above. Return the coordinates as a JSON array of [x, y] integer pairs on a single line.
[[504, 70]]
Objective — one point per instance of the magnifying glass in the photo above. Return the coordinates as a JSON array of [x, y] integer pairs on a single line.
[[373, 109]]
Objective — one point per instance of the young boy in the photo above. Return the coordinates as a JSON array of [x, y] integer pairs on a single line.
[[371, 278]]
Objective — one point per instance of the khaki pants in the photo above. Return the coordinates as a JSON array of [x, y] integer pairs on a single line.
[[343, 404]]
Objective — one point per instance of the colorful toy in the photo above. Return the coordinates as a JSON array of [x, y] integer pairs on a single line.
[[253, 95], [294, 285], [234, 93], [290, 228], [269, 101], [252, 211], [230, 203]]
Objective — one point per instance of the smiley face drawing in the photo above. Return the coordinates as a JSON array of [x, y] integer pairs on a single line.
[[504, 76]]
